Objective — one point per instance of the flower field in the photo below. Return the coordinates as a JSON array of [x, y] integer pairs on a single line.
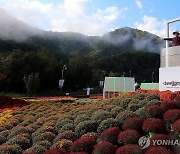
[[67, 125]]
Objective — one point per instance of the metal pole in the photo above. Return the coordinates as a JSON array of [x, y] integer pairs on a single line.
[[167, 45]]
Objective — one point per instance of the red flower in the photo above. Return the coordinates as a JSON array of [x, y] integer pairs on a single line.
[[171, 115], [160, 137], [129, 149], [128, 137], [110, 135], [104, 148], [158, 150], [85, 144], [176, 126], [132, 123], [153, 125], [154, 111]]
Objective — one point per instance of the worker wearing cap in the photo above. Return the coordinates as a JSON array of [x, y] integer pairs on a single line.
[[175, 40]]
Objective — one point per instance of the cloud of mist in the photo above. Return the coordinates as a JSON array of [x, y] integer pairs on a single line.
[[13, 29]]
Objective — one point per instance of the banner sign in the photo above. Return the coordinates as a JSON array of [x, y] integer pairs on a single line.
[[169, 79]]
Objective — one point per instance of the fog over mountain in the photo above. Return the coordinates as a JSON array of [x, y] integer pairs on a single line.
[[14, 29]]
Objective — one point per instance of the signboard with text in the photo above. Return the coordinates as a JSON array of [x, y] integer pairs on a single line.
[[169, 79]]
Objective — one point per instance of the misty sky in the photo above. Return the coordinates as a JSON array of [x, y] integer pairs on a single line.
[[95, 17]]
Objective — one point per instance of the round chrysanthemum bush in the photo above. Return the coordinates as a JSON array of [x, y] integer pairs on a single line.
[[64, 143], [100, 116], [16, 149], [171, 104], [139, 96], [133, 107], [153, 125], [104, 148], [159, 137], [110, 135], [44, 136], [44, 143], [81, 118], [128, 137], [42, 130], [60, 123], [116, 110], [2, 139], [83, 144], [154, 111], [152, 96], [129, 149], [171, 115], [133, 123], [36, 149], [70, 135], [153, 102], [123, 115], [141, 112], [67, 127], [90, 134], [55, 151], [20, 140], [176, 126], [105, 124], [85, 127], [158, 150]]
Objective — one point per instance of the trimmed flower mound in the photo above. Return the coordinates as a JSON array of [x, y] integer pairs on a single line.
[[104, 148], [171, 104], [85, 127], [55, 151], [171, 115], [154, 111], [158, 150], [10, 149], [103, 115], [132, 123], [44, 136], [83, 145], [153, 125], [128, 137], [129, 149], [160, 137], [176, 126], [110, 135]]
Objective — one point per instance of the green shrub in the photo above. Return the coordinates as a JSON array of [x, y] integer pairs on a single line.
[[141, 112], [123, 115], [19, 130], [8, 126], [153, 102], [2, 139], [39, 149], [61, 123], [139, 96], [5, 133], [81, 118], [124, 102], [152, 96], [105, 124], [66, 135], [2, 128], [44, 143], [85, 127], [42, 130], [44, 136], [133, 107], [67, 127], [100, 116], [10, 149], [34, 126], [22, 141], [64, 143], [116, 110]]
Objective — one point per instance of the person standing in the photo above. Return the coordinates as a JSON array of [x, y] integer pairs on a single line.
[[175, 40]]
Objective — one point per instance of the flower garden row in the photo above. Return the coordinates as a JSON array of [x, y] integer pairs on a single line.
[[93, 126]]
